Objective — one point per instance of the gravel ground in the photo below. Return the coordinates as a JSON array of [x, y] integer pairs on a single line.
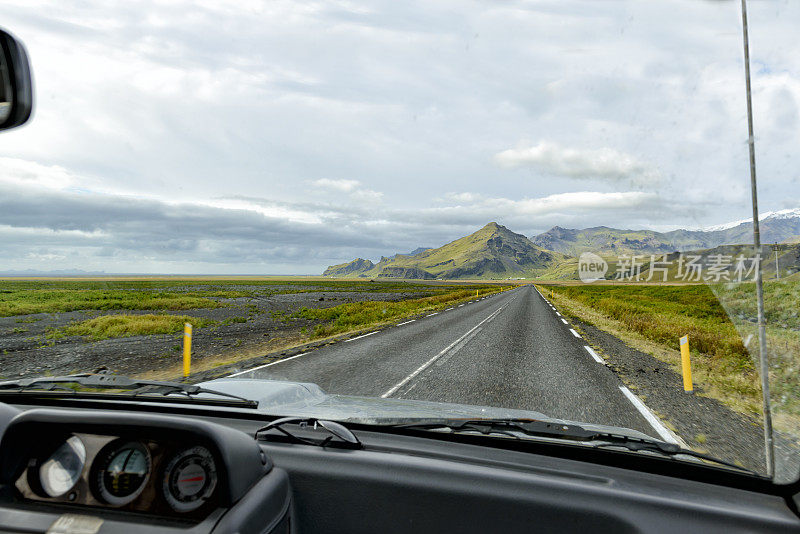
[[704, 423], [25, 351]]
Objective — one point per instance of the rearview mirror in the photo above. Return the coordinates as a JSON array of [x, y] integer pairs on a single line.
[[16, 88]]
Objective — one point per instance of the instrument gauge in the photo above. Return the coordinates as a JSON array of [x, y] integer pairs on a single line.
[[190, 479], [61, 471], [121, 471]]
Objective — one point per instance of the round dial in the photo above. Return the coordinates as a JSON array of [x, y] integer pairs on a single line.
[[61, 471], [190, 479], [122, 472]]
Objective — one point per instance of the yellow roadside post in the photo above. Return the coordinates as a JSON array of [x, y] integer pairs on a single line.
[[686, 364], [477, 292], [187, 348]]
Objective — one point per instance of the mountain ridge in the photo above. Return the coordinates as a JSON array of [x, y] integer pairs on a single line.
[[495, 252], [491, 252], [776, 227]]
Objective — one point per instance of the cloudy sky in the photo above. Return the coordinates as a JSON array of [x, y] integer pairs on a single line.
[[277, 137]]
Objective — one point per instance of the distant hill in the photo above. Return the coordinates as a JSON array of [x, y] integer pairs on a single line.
[[602, 240], [492, 252], [776, 227], [416, 251], [357, 266]]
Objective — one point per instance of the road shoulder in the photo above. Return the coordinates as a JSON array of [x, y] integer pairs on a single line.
[[704, 423]]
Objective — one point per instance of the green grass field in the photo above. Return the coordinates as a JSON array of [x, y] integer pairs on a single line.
[[665, 313], [29, 301], [782, 312], [124, 325], [23, 297]]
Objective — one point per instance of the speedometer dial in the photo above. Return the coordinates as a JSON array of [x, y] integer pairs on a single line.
[[190, 479], [122, 471], [59, 473]]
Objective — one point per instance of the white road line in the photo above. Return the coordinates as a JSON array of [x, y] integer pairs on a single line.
[[654, 421], [409, 389], [558, 314], [359, 337], [267, 365], [563, 320], [427, 364], [448, 309], [574, 333], [432, 314], [411, 321], [460, 305], [593, 354]]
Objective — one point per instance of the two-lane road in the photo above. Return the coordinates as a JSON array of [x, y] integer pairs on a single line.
[[510, 350]]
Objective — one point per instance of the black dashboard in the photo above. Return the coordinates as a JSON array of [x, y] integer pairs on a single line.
[[193, 471]]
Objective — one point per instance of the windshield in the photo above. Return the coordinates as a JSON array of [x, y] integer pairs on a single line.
[[455, 209]]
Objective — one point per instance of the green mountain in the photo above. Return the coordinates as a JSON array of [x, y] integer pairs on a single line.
[[493, 252], [602, 240], [356, 266]]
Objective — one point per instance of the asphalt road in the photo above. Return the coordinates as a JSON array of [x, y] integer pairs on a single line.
[[509, 350]]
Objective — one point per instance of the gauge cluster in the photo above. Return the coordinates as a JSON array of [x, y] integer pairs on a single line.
[[163, 476]]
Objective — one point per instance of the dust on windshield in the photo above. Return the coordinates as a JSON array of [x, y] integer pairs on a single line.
[[543, 208]]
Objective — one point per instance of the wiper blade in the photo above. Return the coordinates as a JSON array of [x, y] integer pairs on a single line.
[[530, 427], [138, 388], [668, 449], [336, 430], [536, 428]]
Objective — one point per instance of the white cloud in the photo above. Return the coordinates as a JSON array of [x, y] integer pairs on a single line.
[[16, 171], [353, 187], [567, 208], [602, 163], [338, 185], [462, 197], [367, 195]]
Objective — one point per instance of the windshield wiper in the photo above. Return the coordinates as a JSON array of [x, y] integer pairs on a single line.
[[531, 427], [137, 389], [335, 430]]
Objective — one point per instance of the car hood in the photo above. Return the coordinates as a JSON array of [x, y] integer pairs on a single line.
[[304, 399]]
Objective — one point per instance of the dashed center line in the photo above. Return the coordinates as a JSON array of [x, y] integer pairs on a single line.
[[444, 351], [411, 321], [432, 314], [563, 320], [574, 333], [359, 337], [267, 365]]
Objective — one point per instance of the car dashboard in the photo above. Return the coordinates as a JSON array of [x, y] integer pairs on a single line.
[[109, 469]]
